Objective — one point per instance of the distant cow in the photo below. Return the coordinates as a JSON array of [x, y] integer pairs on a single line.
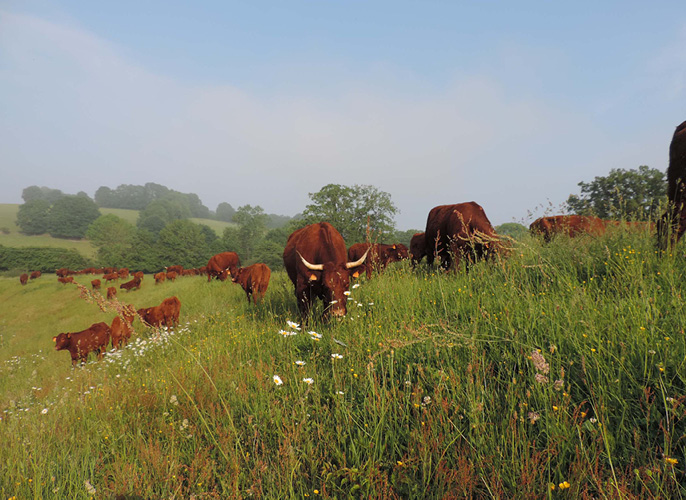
[[121, 327], [80, 344], [96, 284], [221, 265], [111, 292], [254, 280], [417, 248], [171, 275], [134, 284], [571, 225], [166, 314], [380, 255], [68, 279], [672, 225], [139, 274], [111, 277], [316, 261], [123, 272], [24, 278], [460, 231], [35, 274], [62, 272], [174, 269], [160, 277]]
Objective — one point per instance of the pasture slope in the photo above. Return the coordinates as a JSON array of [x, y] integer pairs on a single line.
[[558, 373]]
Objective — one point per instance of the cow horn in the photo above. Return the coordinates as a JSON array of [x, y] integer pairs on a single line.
[[350, 265], [312, 267]]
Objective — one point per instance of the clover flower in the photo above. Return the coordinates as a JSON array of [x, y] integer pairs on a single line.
[[540, 362]]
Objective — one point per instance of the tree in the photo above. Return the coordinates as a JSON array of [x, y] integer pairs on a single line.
[[32, 193], [512, 229], [351, 209], [631, 194], [33, 217], [252, 226], [183, 242], [70, 216], [405, 237], [159, 213], [225, 212], [113, 238]]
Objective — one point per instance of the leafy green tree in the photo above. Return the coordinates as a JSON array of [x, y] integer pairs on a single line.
[[352, 210], [404, 237], [33, 216], [70, 216], [113, 238], [512, 229], [159, 213], [183, 242], [252, 226], [225, 212], [633, 194], [210, 234], [144, 253], [33, 193]]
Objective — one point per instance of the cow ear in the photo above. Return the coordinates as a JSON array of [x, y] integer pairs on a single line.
[[54, 339], [393, 247], [69, 335], [356, 274], [313, 277]]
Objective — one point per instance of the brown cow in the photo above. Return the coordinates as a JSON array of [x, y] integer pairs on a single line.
[[175, 269], [571, 225], [80, 344], [96, 284], [417, 248], [62, 272], [110, 277], [111, 292], [121, 327], [171, 275], [160, 277], [134, 284], [254, 280], [460, 231], [123, 272], [35, 274], [68, 279], [380, 255], [316, 261], [166, 314], [672, 225], [139, 274], [24, 278], [221, 265]]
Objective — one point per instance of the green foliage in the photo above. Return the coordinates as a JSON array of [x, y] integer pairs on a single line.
[[44, 259], [159, 213], [623, 194], [33, 216], [33, 193], [513, 230], [184, 243], [224, 212], [144, 255], [252, 226], [137, 197], [351, 210], [70, 216], [404, 237], [113, 238]]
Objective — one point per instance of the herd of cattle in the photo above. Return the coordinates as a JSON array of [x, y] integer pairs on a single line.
[[320, 266]]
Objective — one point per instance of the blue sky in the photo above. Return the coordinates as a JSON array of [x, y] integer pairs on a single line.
[[509, 104]]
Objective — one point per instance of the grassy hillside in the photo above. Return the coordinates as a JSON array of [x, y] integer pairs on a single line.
[[558, 373]]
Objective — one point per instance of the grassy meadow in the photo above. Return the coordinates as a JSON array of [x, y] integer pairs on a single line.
[[557, 373]]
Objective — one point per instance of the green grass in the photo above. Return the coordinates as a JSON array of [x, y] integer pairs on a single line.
[[217, 225], [439, 393]]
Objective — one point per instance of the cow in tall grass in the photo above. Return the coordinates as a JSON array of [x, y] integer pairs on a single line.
[[672, 225], [79, 344]]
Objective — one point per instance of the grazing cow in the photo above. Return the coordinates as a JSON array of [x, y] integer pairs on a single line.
[[380, 255], [460, 231], [123, 272], [80, 344], [221, 265], [672, 225], [35, 274], [62, 272], [24, 278], [96, 284], [160, 277], [111, 292], [139, 274], [175, 269], [166, 314], [121, 327], [254, 280], [202, 270], [417, 248], [171, 275], [134, 284], [316, 261], [110, 277], [571, 225], [68, 279]]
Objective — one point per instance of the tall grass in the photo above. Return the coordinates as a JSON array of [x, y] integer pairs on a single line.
[[557, 373]]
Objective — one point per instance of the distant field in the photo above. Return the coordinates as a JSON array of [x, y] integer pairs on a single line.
[[217, 225], [128, 215]]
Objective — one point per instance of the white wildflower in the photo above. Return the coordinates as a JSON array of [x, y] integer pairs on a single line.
[[426, 400], [287, 333], [340, 393], [173, 400], [300, 363], [89, 487], [277, 380], [44, 411], [315, 335], [337, 356], [293, 325], [346, 292], [308, 380], [356, 285]]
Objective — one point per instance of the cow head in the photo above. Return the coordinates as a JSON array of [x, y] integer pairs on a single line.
[[333, 280], [62, 341], [236, 275]]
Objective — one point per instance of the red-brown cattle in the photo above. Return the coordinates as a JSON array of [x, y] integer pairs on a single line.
[[417, 248], [160, 277], [24, 278], [316, 261], [35, 274], [121, 327], [123, 272], [166, 314], [139, 274], [110, 277], [571, 225], [134, 284], [64, 281], [109, 270], [202, 270], [254, 280], [460, 231], [672, 225], [171, 275], [221, 265], [96, 284], [80, 344], [380, 255], [62, 272], [111, 292], [174, 269]]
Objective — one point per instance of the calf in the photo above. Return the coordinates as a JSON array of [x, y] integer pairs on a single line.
[[80, 344], [171, 275], [139, 274], [96, 284], [35, 274], [121, 327], [111, 277], [417, 248], [111, 292], [123, 272], [134, 284], [68, 279], [159, 278], [24, 278], [254, 280], [166, 314]]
